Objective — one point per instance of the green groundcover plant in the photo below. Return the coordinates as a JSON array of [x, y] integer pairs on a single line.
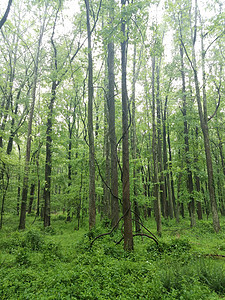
[[58, 263]]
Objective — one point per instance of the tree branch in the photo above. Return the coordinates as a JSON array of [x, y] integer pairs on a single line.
[[4, 18]]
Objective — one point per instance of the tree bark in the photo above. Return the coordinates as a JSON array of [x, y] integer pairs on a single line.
[[28, 145], [190, 185], [92, 208], [128, 235], [204, 126], [134, 143], [48, 159], [112, 130], [165, 207], [157, 204]]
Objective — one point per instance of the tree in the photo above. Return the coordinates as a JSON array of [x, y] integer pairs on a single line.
[[112, 130], [29, 133], [92, 209], [128, 236], [190, 185]]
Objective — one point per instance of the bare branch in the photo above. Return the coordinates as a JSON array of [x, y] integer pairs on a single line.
[[4, 18]]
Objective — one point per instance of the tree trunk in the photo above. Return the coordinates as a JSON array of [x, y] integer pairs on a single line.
[[203, 120], [134, 143], [48, 159], [105, 211], [29, 133], [5, 187], [112, 130], [166, 209], [190, 185], [128, 235], [32, 190], [171, 173], [92, 209], [165, 162], [157, 204]]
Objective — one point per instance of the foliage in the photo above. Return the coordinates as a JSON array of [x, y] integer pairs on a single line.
[[37, 265]]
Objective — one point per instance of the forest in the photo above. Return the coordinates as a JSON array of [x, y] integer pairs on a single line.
[[112, 159]]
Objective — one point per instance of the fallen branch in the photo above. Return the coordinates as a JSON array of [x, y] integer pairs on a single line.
[[110, 232], [215, 255]]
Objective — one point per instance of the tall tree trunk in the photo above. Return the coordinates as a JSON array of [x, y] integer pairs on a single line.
[[157, 204], [166, 209], [165, 162], [18, 188], [134, 143], [190, 185], [69, 170], [48, 159], [197, 178], [112, 130], [204, 126], [92, 208], [128, 235], [29, 133], [171, 173], [105, 211]]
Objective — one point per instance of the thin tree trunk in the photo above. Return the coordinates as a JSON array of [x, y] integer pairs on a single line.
[[197, 179], [203, 116], [48, 159], [165, 207], [92, 208], [29, 133], [112, 130], [171, 173], [157, 204], [134, 144], [190, 185], [32, 190], [105, 211], [166, 164], [5, 188], [128, 235]]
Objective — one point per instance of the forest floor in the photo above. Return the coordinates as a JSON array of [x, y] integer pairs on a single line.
[[57, 263]]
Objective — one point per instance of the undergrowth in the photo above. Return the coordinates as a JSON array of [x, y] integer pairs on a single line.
[[58, 263]]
